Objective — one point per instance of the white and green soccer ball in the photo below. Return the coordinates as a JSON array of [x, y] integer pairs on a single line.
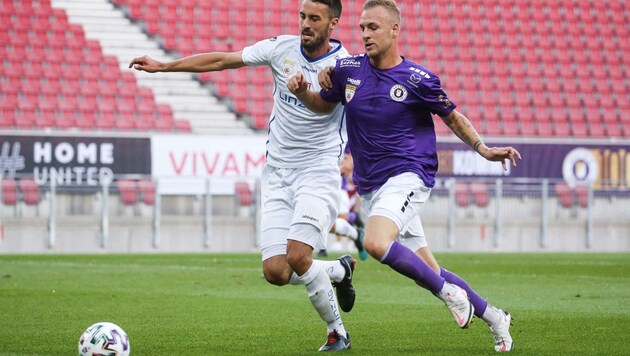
[[104, 339]]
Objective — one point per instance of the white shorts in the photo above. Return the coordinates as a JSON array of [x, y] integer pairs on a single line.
[[400, 200], [293, 197]]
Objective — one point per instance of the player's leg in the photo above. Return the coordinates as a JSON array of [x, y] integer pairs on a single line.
[[313, 276], [392, 208], [277, 270], [315, 208], [276, 211], [343, 228], [497, 319]]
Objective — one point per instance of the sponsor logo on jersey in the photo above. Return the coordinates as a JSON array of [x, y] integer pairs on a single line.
[[420, 71], [349, 63], [398, 93], [307, 217], [356, 82], [350, 90], [311, 70], [288, 66], [415, 78], [290, 99]]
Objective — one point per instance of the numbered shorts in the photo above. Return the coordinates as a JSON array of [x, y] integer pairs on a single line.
[[293, 197], [400, 200]]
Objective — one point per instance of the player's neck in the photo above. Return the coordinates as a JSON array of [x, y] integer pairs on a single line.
[[320, 51], [387, 60]]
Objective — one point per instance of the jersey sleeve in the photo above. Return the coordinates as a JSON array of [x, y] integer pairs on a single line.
[[336, 93], [260, 53], [435, 97]]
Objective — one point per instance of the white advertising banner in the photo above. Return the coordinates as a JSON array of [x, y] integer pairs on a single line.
[[188, 164]]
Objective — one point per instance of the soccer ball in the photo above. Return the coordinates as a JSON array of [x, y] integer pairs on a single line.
[[104, 338]]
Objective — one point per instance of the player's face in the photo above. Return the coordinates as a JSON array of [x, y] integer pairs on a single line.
[[379, 31], [346, 166], [315, 25]]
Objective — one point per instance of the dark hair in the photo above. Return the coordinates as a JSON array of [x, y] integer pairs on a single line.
[[334, 6]]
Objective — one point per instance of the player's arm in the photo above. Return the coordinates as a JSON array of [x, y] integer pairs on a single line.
[[298, 86], [197, 63], [463, 128]]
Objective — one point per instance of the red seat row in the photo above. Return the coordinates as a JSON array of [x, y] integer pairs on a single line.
[[23, 189], [133, 191], [52, 76], [532, 54]]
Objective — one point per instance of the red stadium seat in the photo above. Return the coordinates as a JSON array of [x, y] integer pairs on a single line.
[[581, 194], [9, 191], [480, 194], [544, 128], [147, 191], [564, 193], [243, 193], [183, 126], [128, 191], [561, 128], [462, 194], [30, 191]]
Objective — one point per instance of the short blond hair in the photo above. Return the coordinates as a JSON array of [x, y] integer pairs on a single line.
[[390, 5]]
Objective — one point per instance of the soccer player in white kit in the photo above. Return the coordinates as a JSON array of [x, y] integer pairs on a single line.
[[300, 181]]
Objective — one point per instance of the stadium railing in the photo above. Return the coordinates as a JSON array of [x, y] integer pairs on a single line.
[[507, 214]]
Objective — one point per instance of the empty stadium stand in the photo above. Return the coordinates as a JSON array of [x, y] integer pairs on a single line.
[[537, 68], [58, 73], [534, 68]]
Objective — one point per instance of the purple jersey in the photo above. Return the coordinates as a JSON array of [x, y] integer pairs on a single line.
[[389, 123]]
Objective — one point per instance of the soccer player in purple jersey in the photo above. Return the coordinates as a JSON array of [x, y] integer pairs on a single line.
[[389, 101]]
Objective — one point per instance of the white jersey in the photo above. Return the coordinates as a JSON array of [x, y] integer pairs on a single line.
[[297, 136]]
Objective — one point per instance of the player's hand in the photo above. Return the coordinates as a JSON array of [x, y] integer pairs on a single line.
[[297, 84], [324, 78], [502, 154], [147, 64]]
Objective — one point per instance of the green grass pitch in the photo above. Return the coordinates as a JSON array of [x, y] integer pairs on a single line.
[[201, 304]]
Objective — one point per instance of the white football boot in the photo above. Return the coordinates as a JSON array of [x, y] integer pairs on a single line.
[[501, 331], [456, 299]]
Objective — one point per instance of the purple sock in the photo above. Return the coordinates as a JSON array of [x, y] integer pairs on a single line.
[[407, 263], [477, 301]]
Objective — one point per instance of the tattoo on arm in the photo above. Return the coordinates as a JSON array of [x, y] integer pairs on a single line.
[[463, 129]]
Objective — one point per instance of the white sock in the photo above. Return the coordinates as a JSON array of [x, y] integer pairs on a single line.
[[334, 270], [323, 298], [491, 315], [342, 227], [447, 288]]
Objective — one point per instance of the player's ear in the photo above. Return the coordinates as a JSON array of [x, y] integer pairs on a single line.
[[395, 30], [333, 23]]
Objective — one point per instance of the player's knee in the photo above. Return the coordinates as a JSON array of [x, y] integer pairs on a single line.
[[300, 260], [375, 247], [277, 277]]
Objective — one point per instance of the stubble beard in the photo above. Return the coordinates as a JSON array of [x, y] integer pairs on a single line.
[[316, 43]]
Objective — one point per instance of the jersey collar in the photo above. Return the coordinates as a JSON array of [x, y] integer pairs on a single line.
[[333, 42]]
